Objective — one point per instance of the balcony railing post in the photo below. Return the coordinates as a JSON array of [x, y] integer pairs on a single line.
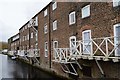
[[106, 43]]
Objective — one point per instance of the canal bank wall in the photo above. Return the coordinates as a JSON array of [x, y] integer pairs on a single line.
[[48, 71]]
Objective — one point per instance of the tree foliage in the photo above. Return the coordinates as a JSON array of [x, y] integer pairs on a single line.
[[3, 45]]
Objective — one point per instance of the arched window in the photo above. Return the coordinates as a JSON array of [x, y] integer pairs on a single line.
[[87, 45]]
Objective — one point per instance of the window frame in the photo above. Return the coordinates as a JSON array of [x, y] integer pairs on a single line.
[[70, 18], [83, 33], [54, 6], [54, 25], [28, 37], [54, 48], [116, 3], [31, 34], [45, 12], [83, 11], [46, 49], [72, 37], [45, 29], [115, 40]]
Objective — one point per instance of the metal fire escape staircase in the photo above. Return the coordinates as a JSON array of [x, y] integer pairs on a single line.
[[104, 49]]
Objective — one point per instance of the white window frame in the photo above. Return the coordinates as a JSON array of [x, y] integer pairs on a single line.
[[87, 43], [115, 41], [55, 25], [45, 29], [31, 34], [72, 46], [25, 26], [70, 18], [36, 35], [72, 37], [45, 13], [54, 6], [84, 15], [116, 3], [31, 46], [46, 49], [20, 41], [23, 38], [36, 21], [28, 37], [54, 55], [22, 29]]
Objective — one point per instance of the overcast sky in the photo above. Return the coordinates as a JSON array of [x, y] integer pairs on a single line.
[[15, 13]]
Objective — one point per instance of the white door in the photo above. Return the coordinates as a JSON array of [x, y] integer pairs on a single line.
[[117, 39], [87, 44], [72, 40]]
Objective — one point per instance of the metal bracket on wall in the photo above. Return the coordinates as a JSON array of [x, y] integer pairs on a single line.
[[100, 68], [36, 60], [67, 70]]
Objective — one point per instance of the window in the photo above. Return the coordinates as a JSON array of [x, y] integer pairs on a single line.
[[55, 45], [36, 36], [27, 47], [72, 18], [87, 45], [23, 38], [26, 27], [45, 29], [117, 39], [54, 6], [72, 40], [20, 41], [46, 49], [86, 11], [36, 21], [31, 46], [23, 47], [32, 35], [116, 3], [28, 37], [55, 25], [29, 24], [45, 13]]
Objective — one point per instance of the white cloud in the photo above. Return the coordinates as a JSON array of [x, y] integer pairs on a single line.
[[15, 13]]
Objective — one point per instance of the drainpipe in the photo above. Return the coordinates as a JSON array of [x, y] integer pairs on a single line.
[[49, 40]]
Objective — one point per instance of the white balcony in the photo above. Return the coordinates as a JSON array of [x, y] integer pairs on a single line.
[[33, 53], [29, 53], [105, 48]]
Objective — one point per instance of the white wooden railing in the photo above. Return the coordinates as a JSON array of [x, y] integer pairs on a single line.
[[29, 53], [105, 48]]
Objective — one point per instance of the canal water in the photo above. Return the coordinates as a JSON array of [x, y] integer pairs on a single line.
[[14, 70]]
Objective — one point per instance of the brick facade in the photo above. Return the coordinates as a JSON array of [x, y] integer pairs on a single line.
[[13, 43], [103, 16]]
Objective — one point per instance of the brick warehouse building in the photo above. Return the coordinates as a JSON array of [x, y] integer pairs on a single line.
[[82, 32], [13, 43], [28, 35], [59, 28]]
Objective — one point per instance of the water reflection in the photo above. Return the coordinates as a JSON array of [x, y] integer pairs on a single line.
[[15, 69]]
